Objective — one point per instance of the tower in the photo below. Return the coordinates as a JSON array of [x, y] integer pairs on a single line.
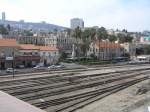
[[3, 16], [77, 22]]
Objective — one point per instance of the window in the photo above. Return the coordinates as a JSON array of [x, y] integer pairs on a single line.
[[55, 53], [96, 50], [43, 53], [36, 53], [49, 54]]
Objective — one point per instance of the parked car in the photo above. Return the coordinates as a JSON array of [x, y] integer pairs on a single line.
[[59, 66], [10, 70], [21, 66], [37, 66], [52, 67], [134, 62]]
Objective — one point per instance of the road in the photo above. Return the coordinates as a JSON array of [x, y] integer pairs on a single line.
[[42, 69], [68, 66]]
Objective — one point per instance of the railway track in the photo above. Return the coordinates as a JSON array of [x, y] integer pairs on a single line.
[[49, 87], [59, 93]]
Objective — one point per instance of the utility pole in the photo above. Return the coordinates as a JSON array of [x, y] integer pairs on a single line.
[[13, 63]]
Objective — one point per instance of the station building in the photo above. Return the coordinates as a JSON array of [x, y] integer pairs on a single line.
[[29, 55], [105, 50]]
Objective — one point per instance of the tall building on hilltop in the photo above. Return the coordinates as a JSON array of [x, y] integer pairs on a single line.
[[76, 22], [3, 16]]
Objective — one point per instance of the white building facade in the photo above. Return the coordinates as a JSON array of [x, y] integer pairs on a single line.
[[49, 55], [108, 50], [61, 40], [129, 48]]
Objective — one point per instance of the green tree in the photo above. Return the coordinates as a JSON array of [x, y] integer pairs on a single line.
[[124, 30], [92, 33], [77, 33], [124, 38], [121, 38], [112, 38], [129, 38], [101, 34], [86, 41], [93, 37], [63, 56], [147, 49], [3, 30], [139, 51], [28, 33]]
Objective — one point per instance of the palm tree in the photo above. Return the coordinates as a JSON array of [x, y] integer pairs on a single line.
[[86, 41], [101, 34], [77, 34], [92, 37], [92, 33]]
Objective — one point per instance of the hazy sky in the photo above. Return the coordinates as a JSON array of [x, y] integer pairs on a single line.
[[133, 15]]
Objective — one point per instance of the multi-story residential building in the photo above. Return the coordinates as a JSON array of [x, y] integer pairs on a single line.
[[108, 50], [60, 40], [49, 55], [76, 22], [146, 33], [28, 55], [36, 40]]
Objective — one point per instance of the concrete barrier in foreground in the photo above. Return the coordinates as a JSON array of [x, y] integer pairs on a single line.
[[9, 103]]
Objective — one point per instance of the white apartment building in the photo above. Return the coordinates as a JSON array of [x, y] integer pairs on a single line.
[[21, 39], [36, 40], [76, 22], [49, 55]]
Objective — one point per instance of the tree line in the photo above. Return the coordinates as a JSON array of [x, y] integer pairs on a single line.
[[89, 35]]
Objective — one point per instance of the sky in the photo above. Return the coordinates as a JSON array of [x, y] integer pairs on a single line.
[[133, 15]]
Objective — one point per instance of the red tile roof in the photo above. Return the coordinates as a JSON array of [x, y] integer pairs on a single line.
[[34, 47], [28, 47], [47, 48], [107, 45], [8, 43]]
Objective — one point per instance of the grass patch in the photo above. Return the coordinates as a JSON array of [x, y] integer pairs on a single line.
[[96, 62]]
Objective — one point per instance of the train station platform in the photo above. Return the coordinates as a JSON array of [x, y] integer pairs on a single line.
[[9, 103]]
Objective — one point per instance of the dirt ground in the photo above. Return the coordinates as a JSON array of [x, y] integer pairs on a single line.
[[127, 100]]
